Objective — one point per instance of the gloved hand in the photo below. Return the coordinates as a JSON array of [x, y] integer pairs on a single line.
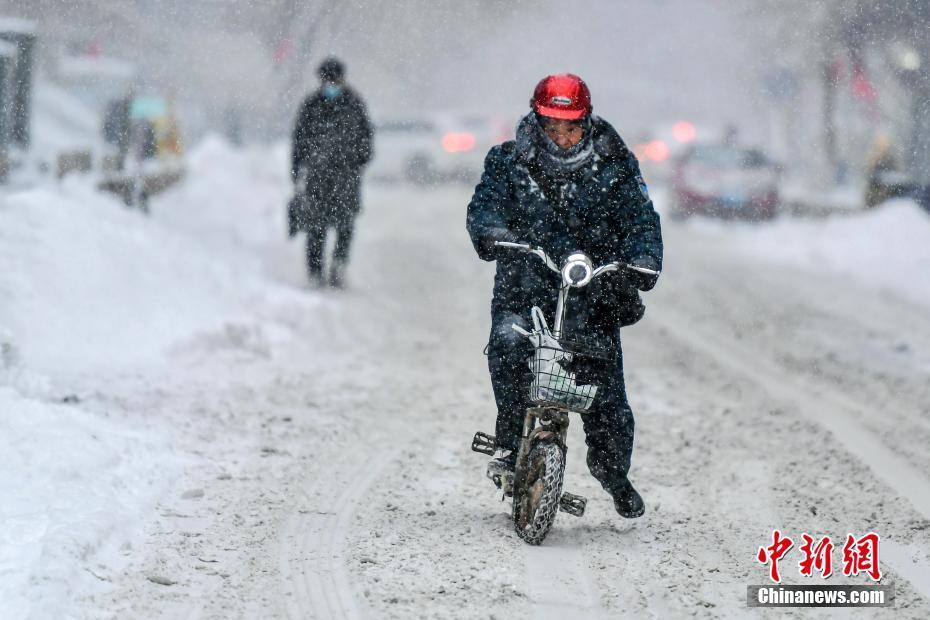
[[616, 298], [497, 234], [643, 281]]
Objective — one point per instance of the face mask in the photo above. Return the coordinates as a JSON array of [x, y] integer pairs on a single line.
[[331, 91]]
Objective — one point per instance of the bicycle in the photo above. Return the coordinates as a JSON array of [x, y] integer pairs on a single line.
[[566, 375]]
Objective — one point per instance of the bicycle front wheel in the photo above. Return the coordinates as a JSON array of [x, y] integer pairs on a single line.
[[537, 491]]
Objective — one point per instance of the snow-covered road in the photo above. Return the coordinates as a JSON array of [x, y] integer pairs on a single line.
[[306, 454]]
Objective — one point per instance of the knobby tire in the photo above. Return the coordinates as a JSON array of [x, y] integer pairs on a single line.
[[537, 492]]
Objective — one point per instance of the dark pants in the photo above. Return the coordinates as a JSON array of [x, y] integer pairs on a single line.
[[334, 201], [608, 425], [316, 239]]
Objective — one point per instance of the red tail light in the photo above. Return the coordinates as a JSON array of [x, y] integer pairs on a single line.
[[657, 150], [684, 132], [454, 142]]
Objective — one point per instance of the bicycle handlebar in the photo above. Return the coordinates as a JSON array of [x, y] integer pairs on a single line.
[[526, 247], [576, 272], [551, 264]]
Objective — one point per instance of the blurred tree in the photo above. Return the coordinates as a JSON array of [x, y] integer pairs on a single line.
[[901, 30], [260, 56], [831, 41]]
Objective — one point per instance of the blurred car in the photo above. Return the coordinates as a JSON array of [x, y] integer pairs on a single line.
[[726, 181], [661, 144], [435, 148]]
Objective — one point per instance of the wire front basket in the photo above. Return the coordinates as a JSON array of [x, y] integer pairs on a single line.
[[569, 373]]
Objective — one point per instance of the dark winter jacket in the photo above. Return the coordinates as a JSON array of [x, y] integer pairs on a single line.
[[331, 143], [601, 208]]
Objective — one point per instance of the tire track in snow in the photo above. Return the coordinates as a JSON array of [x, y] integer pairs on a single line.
[[558, 570], [824, 406], [818, 403], [312, 556], [557, 574]]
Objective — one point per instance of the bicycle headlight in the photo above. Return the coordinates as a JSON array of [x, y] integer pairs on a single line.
[[577, 270]]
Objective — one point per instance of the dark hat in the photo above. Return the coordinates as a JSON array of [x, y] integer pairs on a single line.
[[331, 69]]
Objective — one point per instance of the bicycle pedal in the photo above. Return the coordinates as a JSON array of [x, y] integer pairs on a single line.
[[484, 443], [572, 504]]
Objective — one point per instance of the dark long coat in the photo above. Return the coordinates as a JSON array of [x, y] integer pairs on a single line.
[[332, 142]]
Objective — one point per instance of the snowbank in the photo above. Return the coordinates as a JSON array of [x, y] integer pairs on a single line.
[[86, 283], [887, 248], [89, 284], [72, 484], [90, 293], [232, 199]]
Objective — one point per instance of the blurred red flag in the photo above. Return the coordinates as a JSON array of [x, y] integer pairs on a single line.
[[862, 87]]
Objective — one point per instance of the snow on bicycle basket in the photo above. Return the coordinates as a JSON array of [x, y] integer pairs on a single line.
[[567, 373]]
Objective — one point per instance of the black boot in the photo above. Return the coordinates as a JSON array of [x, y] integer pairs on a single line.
[[503, 464], [316, 279], [500, 472], [627, 501], [337, 274]]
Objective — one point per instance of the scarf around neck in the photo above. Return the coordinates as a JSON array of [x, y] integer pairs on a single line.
[[534, 146]]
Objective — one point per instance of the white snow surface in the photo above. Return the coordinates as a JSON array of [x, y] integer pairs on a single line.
[[73, 485], [93, 294], [885, 249], [90, 291], [90, 283]]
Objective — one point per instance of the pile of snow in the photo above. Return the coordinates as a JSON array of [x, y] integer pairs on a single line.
[[232, 199], [73, 484], [90, 291], [87, 283], [886, 248]]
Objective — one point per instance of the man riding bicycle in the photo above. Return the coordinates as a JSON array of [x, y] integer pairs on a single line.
[[566, 183]]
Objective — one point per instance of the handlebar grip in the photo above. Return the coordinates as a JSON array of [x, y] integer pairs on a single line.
[[510, 244], [650, 272], [618, 266]]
